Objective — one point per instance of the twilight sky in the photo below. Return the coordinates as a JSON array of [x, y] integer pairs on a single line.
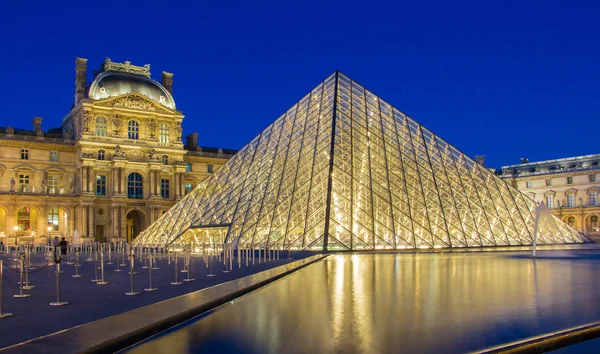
[[506, 79]]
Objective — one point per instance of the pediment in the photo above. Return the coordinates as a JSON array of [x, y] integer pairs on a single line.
[[133, 101]]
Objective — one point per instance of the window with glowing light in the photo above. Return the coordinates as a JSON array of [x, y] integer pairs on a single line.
[[52, 184], [550, 201], [100, 126], [53, 219], [163, 133]]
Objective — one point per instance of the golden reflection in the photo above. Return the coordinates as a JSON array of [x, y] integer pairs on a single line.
[[375, 303]]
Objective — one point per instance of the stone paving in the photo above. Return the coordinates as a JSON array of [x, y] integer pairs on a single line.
[[34, 317]]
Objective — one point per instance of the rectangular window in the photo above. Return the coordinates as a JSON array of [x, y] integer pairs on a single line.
[[188, 167], [209, 168], [24, 183], [550, 201], [53, 219], [164, 188], [188, 187], [53, 156], [548, 182], [570, 200], [100, 185], [529, 184], [165, 160], [593, 198], [24, 154], [52, 184], [592, 178], [100, 154], [569, 180]]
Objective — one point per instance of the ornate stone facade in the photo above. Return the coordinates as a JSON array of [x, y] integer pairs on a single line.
[[569, 186], [114, 166]]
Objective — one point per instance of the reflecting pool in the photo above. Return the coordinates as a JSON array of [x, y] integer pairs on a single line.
[[413, 303]]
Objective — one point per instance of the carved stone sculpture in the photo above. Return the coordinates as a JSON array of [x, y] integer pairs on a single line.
[[12, 184], [10, 131], [151, 128], [87, 121], [119, 153], [178, 131], [152, 154], [117, 124]]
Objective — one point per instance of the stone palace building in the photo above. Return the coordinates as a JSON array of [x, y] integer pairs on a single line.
[[114, 166], [570, 187]]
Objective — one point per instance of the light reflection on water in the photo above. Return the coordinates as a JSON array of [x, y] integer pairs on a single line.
[[417, 303]]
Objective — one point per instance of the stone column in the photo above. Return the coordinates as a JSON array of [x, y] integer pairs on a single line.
[[123, 181], [122, 225], [92, 221], [84, 183], [70, 222], [151, 189], [92, 177]]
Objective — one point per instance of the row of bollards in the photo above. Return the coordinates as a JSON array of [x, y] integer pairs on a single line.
[[147, 257]]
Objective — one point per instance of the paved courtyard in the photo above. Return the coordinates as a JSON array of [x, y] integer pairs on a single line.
[[88, 301]]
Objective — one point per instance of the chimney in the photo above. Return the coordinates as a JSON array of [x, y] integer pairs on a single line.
[[80, 74], [37, 123], [192, 141], [167, 81]]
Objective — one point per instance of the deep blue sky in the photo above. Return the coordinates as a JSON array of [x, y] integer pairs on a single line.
[[505, 79]]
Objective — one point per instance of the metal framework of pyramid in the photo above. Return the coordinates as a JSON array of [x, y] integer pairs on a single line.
[[344, 170]]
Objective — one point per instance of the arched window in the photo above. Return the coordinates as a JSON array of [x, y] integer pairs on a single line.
[[133, 130], [163, 133], [53, 219], [100, 126], [571, 221], [134, 186]]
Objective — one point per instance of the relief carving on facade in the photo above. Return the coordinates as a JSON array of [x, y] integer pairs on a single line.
[[178, 132], [119, 153], [117, 124], [134, 102], [152, 155], [10, 130], [87, 122], [151, 129]]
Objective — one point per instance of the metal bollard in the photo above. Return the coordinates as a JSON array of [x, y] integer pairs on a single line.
[[132, 272], [188, 269], [109, 255], [154, 265], [95, 280], [176, 282], [102, 281], [2, 314], [21, 268], [210, 261], [77, 275], [58, 302], [150, 274]]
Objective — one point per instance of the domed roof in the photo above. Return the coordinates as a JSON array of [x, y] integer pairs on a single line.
[[111, 84]]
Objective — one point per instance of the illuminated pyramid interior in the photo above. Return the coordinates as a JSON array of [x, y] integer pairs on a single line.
[[345, 170]]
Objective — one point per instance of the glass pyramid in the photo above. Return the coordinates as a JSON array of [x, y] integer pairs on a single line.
[[345, 170]]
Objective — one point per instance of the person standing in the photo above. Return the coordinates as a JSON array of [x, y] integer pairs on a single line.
[[55, 243], [63, 246]]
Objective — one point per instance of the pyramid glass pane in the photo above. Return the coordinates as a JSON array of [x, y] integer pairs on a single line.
[[344, 170]]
